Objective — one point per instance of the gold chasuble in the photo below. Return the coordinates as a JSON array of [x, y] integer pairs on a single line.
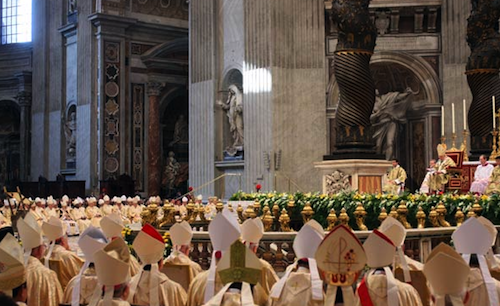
[[170, 293], [377, 290], [70, 264], [196, 292], [396, 180], [43, 286], [88, 282], [494, 181], [116, 302]]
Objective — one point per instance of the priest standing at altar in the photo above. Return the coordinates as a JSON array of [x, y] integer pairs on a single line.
[[481, 176], [395, 179]]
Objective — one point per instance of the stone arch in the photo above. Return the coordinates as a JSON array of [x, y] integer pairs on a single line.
[[420, 68]]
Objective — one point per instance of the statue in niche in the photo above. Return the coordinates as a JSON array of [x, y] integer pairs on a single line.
[[172, 169], [234, 111], [388, 114], [71, 6], [337, 182], [70, 133], [181, 135]]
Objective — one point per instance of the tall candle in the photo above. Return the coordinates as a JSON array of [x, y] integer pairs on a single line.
[[453, 118], [465, 116], [494, 113], [442, 120]]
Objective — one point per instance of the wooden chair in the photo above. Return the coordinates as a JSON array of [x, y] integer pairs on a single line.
[[456, 174]]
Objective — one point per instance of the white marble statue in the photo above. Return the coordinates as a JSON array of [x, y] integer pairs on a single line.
[[70, 133], [388, 113], [71, 6], [171, 171], [234, 111]]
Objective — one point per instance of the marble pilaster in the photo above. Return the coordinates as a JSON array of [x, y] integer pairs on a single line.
[[454, 57], [154, 177], [202, 93], [24, 100]]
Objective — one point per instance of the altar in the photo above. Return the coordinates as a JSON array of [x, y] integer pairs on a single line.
[[365, 176]]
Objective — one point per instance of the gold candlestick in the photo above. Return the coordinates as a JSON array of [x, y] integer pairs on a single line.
[[494, 152], [454, 142], [443, 140], [463, 147]]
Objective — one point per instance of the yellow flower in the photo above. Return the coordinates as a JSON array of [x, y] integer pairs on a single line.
[[484, 197]]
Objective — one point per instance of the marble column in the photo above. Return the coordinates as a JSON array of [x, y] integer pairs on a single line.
[[154, 171], [24, 100]]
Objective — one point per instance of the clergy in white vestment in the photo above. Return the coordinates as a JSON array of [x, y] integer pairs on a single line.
[[481, 176], [424, 188]]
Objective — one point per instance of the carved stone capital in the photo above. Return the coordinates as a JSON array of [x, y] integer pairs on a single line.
[[24, 98], [155, 88]]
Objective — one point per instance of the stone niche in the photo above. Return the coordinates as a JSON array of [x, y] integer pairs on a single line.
[[231, 162]]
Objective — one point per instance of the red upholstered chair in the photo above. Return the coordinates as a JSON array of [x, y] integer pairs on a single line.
[[455, 180]]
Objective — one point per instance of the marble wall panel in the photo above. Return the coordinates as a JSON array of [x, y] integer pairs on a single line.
[[54, 144], [37, 145], [233, 34], [201, 136], [84, 145]]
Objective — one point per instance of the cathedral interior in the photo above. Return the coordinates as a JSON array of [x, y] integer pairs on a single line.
[[151, 96]]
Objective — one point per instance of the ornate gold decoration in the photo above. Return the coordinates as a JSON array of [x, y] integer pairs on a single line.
[[307, 212], [290, 207], [344, 217], [249, 212], [168, 214], [264, 211], [190, 211], [360, 215], [332, 219], [239, 211], [201, 213], [149, 214], [276, 211], [267, 220], [402, 211], [494, 152], [463, 147], [471, 214], [383, 215], [230, 207], [454, 142], [477, 209], [433, 217], [284, 220], [459, 216], [256, 208], [420, 217], [393, 213], [219, 206]]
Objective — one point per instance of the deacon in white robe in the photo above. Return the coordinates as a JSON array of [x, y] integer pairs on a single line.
[[481, 176]]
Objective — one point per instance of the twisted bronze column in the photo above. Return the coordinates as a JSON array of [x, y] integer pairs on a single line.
[[356, 42], [482, 72]]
